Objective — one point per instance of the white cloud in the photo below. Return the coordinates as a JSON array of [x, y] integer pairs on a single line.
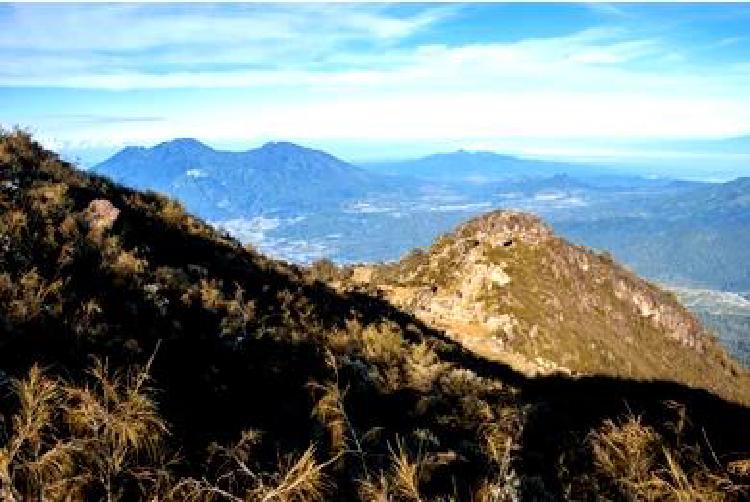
[[129, 27], [302, 80], [607, 9]]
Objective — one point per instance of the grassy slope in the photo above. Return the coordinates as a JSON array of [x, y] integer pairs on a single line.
[[568, 310], [314, 394]]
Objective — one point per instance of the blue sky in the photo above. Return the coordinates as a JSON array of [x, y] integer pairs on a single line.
[[375, 80]]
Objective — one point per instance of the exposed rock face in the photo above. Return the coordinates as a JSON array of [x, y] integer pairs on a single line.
[[504, 285], [667, 316], [503, 228], [101, 215]]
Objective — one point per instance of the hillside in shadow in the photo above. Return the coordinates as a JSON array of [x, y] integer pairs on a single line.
[[144, 355]]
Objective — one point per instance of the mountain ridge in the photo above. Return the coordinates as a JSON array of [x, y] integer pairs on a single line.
[[224, 184], [147, 356], [477, 167], [505, 285]]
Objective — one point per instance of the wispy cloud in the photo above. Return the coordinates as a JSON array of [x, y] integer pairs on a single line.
[[120, 38], [608, 9], [374, 71], [128, 27], [727, 41]]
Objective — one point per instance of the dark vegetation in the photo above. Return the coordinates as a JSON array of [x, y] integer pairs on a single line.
[[146, 356]]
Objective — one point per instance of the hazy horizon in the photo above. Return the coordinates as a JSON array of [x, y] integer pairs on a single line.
[[642, 85], [704, 162]]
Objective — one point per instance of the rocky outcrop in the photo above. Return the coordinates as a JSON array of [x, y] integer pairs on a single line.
[[504, 285], [503, 228], [666, 316], [100, 215]]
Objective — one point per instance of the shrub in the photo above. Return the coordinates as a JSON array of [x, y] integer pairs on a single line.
[[298, 478], [172, 212], [127, 265], [69, 442]]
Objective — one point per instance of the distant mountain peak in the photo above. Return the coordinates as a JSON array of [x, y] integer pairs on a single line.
[[289, 148], [476, 153], [471, 156], [286, 152], [282, 145], [132, 149], [129, 152], [182, 144], [275, 175]]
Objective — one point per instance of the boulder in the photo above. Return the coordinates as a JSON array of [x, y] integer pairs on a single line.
[[101, 215]]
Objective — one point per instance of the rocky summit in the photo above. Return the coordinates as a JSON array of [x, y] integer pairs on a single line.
[[505, 286]]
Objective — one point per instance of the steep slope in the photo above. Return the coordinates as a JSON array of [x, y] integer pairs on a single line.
[[505, 286], [145, 356], [219, 184]]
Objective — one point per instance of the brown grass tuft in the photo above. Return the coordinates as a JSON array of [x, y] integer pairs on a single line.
[[642, 464], [405, 470], [67, 440]]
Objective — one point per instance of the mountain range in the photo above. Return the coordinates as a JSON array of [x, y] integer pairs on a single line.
[[222, 184], [475, 167], [680, 232], [144, 355]]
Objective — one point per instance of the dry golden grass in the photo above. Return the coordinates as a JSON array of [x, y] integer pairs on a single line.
[[48, 197], [375, 489], [329, 409], [13, 222], [405, 470], [127, 264], [638, 460], [24, 465], [383, 345], [239, 313], [67, 441], [172, 212], [498, 441], [298, 479], [26, 296], [116, 420], [423, 366], [628, 452]]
